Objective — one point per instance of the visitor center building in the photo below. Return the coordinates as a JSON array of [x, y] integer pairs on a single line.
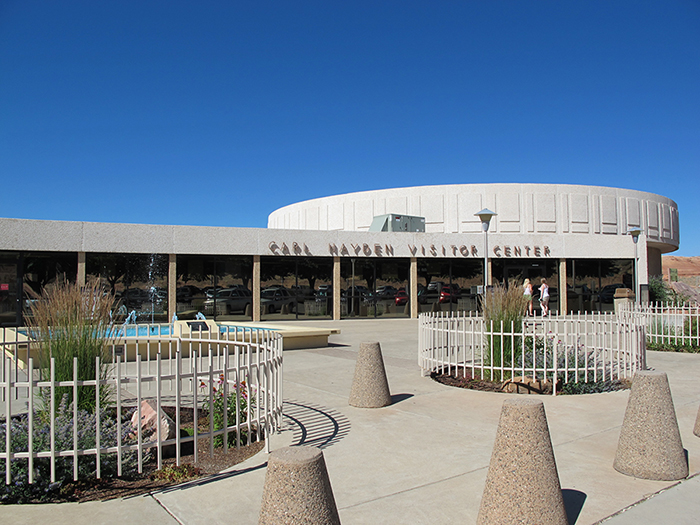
[[385, 253]]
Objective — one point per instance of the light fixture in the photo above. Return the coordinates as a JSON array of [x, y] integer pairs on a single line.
[[635, 233], [485, 216]]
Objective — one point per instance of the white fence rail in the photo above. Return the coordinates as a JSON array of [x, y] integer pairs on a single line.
[[671, 325], [238, 371], [585, 348]]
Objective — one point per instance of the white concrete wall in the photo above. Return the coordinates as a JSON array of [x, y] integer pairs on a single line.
[[523, 209], [90, 237]]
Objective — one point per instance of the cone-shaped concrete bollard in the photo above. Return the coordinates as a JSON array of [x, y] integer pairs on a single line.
[[650, 444], [297, 489], [696, 430], [522, 484], [370, 388]]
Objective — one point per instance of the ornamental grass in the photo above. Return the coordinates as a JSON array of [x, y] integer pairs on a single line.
[[503, 304], [73, 321]]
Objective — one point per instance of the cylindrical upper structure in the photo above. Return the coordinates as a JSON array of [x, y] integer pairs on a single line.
[[549, 209]]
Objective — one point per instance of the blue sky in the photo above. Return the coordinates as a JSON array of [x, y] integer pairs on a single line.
[[218, 113]]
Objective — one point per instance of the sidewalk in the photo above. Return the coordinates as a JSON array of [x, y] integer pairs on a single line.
[[424, 458]]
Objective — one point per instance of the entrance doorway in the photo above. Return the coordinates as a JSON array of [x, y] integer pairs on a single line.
[[507, 270]]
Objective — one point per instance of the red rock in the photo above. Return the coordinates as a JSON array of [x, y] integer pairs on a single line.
[[148, 422]]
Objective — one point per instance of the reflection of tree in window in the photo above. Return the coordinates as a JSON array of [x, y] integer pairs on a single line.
[[41, 270], [109, 267], [312, 270]]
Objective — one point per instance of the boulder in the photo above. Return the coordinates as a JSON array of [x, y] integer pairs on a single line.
[[528, 385], [149, 421]]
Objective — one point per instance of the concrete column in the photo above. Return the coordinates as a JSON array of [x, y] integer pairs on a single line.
[[642, 267], [81, 277], [489, 273], [172, 286], [563, 295], [256, 288], [650, 445], [336, 288], [297, 489], [413, 285]]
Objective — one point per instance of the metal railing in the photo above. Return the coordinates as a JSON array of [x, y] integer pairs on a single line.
[[196, 374], [581, 348]]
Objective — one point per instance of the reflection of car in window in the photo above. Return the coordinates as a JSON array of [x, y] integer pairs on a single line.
[[386, 291], [230, 300], [401, 298], [273, 299]]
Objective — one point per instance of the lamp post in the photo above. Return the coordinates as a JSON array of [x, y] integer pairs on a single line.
[[635, 233], [485, 216]]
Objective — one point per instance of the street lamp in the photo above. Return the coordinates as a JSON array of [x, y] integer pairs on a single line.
[[485, 216], [635, 233]]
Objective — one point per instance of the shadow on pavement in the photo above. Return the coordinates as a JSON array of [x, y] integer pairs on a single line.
[[573, 502], [315, 426], [397, 398]]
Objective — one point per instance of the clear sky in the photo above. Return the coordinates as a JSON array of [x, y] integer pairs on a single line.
[[218, 113]]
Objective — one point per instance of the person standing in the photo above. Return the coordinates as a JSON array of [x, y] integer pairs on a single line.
[[544, 297], [527, 294]]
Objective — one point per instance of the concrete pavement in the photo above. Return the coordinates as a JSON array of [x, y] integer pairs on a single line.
[[424, 458]]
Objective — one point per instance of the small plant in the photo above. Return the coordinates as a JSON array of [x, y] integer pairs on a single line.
[[177, 474], [236, 402]]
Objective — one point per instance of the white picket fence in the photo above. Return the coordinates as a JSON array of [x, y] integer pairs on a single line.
[[581, 348], [669, 324], [186, 373]]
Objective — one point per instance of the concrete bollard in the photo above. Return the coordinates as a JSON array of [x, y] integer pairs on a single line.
[[650, 444], [370, 388], [696, 430], [522, 484], [297, 489]]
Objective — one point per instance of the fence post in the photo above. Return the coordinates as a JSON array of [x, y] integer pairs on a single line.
[[8, 420], [30, 417]]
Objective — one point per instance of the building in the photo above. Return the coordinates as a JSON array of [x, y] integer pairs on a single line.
[[318, 260]]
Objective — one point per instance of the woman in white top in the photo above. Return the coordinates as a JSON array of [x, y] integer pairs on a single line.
[[527, 294], [544, 297]]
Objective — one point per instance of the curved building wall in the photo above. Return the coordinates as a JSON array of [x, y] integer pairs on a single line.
[[550, 209]]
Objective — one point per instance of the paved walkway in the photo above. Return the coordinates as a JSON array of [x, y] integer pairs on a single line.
[[424, 458]]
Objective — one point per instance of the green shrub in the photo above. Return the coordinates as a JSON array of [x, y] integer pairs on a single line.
[[661, 292], [177, 474], [594, 387], [73, 321]]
